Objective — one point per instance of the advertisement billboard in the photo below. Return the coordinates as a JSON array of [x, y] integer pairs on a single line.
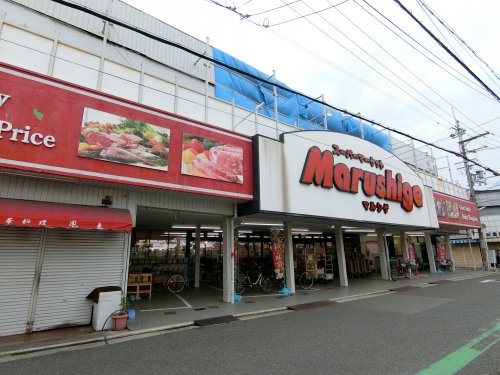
[[57, 128], [453, 211]]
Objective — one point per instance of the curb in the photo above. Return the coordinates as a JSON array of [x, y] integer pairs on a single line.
[[115, 336], [105, 339]]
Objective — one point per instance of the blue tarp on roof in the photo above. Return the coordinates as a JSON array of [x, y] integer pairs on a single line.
[[293, 109]]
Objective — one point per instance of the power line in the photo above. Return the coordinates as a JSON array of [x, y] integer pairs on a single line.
[[328, 35], [232, 8], [422, 46], [448, 51], [458, 37], [431, 60], [277, 85]]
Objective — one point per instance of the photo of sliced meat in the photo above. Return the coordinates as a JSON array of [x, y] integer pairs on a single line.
[[130, 138], [228, 158], [103, 140], [112, 138], [120, 153], [212, 170], [210, 158]]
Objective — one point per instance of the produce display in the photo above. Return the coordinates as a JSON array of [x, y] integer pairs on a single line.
[[123, 140], [210, 159]]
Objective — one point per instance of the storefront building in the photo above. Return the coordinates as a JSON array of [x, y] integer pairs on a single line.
[[336, 183], [108, 168], [79, 169]]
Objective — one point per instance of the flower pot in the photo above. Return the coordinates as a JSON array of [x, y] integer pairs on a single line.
[[119, 321]]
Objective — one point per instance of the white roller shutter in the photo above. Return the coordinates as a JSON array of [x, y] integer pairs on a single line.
[[18, 257], [75, 262]]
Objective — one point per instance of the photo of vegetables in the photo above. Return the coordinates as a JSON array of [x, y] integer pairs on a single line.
[[206, 158], [105, 136]]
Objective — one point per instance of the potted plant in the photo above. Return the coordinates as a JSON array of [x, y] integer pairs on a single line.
[[119, 318]]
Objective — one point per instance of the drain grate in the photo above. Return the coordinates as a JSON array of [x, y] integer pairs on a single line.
[[200, 309], [217, 320], [170, 313], [249, 301], [212, 307], [311, 305]]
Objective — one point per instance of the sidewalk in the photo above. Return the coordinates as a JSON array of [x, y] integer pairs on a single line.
[[203, 306]]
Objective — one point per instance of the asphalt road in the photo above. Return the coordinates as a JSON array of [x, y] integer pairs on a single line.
[[447, 328]]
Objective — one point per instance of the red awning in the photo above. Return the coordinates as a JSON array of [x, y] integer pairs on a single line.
[[21, 213]]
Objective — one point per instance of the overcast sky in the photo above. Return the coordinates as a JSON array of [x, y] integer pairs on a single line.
[[352, 55]]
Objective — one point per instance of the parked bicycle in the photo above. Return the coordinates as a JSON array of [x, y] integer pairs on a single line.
[[445, 264], [244, 281], [175, 283], [402, 268], [305, 280]]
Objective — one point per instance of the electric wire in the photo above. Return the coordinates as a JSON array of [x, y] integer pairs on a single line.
[[428, 13], [262, 125], [188, 50], [448, 50], [396, 59], [458, 37], [285, 4], [431, 60], [328, 35], [305, 16]]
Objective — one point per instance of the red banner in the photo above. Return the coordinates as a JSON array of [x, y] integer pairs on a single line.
[[411, 252], [278, 259], [441, 252], [454, 211], [57, 128]]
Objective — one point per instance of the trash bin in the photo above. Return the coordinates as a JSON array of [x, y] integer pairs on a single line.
[[106, 302]]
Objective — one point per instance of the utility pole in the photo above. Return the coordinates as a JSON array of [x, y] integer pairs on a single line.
[[463, 151]]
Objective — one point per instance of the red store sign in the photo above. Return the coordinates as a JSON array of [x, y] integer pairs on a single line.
[[57, 128], [455, 211]]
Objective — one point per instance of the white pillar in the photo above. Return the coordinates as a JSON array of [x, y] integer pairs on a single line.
[[229, 254], [197, 258], [404, 245], [449, 250], [289, 261], [384, 255], [339, 244], [430, 253]]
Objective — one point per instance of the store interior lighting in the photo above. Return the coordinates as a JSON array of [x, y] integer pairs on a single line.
[[307, 233], [179, 234], [275, 224], [203, 227], [359, 230]]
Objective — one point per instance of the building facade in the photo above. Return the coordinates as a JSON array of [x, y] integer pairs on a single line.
[[118, 155]]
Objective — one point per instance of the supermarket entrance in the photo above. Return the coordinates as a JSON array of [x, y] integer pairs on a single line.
[[173, 252]]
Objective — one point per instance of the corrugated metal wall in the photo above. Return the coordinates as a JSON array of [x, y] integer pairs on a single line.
[[123, 12], [75, 262], [18, 257], [16, 187]]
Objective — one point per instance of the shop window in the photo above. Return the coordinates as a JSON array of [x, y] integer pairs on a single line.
[[159, 253]]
